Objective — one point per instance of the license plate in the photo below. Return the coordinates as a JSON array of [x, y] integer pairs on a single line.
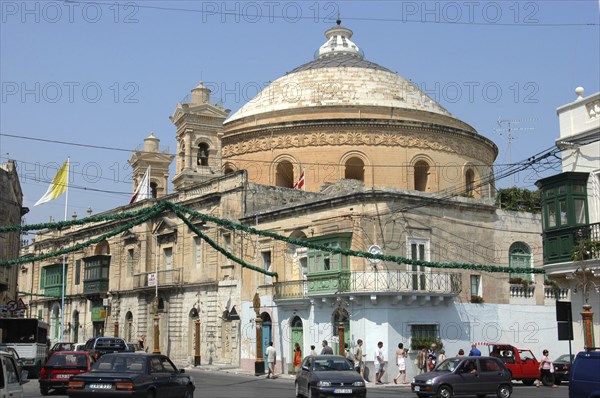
[[342, 391], [101, 386], [417, 388], [63, 376]]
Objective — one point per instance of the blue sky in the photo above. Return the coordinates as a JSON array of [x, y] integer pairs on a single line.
[[98, 74]]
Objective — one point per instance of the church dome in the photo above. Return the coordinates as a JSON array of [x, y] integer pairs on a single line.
[[341, 116], [339, 75]]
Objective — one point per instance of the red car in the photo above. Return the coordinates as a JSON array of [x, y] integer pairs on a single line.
[[521, 362], [59, 368]]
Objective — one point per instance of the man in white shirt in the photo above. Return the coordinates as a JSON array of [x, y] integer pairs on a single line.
[[271, 359], [379, 362]]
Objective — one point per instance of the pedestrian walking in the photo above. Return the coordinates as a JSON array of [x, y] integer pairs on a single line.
[[431, 357], [442, 356], [546, 371], [271, 360], [312, 350], [401, 362], [474, 351], [359, 363], [326, 349], [421, 360], [297, 358], [379, 362], [461, 353]]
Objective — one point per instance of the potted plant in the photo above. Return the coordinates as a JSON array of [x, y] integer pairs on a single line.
[[476, 299], [418, 343], [515, 281]]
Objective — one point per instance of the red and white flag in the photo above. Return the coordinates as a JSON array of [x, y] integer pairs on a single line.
[[143, 189], [300, 183]]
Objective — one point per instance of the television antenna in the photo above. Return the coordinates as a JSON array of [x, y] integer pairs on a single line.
[[507, 127]]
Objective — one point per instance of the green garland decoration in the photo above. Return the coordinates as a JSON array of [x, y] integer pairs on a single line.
[[150, 213], [146, 214], [218, 248], [355, 253], [59, 225]]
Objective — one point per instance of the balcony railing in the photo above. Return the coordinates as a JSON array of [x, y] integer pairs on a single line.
[[166, 277], [522, 291], [552, 293], [371, 282]]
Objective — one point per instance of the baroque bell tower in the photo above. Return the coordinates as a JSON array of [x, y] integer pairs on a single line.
[[199, 131], [159, 162]]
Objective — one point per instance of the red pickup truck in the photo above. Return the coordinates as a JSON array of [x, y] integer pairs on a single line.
[[521, 362]]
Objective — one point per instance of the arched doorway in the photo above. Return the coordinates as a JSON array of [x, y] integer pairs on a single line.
[[193, 337], [284, 174], [340, 315], [55, 323], [128, 332], [355, 169], [297, 336], [75, 323], [266, 334]]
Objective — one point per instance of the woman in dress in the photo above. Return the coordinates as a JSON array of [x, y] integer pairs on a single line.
[[545, 370], [401, 362], [297, 358]]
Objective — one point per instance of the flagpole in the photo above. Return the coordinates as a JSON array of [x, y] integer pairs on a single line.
[[64, 263]]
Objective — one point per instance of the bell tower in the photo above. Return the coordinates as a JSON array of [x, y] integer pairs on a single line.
[[199, 130], [159, 162]]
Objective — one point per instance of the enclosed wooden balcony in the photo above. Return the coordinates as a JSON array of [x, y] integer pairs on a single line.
[[162, 278]]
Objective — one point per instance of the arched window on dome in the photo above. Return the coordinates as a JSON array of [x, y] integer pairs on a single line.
[[202, 154], [469, 182], [421, 173], [228, 170], [355, 169], [284, 174]]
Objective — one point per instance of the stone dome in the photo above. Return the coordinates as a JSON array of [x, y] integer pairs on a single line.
[[341, 116]]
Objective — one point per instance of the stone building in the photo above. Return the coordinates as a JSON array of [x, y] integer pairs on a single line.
[[11, 213], [386, 170]]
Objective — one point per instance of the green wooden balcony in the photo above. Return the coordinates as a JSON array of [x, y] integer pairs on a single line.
[[560, 244]]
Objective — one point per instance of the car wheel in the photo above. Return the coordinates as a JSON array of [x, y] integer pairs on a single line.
[[547, 380], [528, 382], [44, 390], [151, 394], [445, 391], [504, 391], [189, 393]]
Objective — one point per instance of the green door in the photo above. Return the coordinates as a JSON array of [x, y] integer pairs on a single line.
[[297, 337]]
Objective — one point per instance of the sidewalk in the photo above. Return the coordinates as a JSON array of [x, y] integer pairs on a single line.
[[247, 372]]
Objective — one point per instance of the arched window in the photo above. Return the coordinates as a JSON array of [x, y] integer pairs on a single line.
[[519, 257], [182, 157], [469, 182], [421, 172], [203, 154], [228, 170], [129, 326], [355, 169], [284, 174], [102, 248], [154, 189]]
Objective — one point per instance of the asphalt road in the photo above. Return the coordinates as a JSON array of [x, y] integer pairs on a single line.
[[225, 384]]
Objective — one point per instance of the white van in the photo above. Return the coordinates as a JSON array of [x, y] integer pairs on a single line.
[[10, 379]]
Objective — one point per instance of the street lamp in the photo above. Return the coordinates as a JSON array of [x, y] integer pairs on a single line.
[[584, 280]]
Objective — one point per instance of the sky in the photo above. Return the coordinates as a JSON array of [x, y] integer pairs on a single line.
[[90, 80]]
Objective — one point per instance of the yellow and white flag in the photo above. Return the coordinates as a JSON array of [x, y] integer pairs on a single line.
[[58, 186]]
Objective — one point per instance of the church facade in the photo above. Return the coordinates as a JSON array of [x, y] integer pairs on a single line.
[[367, 164]]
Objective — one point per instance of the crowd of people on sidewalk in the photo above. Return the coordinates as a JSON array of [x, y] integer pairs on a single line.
[[425, 361]]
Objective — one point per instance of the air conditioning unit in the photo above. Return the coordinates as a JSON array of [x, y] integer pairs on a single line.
[[106, 302]]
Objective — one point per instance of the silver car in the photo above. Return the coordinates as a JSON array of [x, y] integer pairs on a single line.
[[478, 376]]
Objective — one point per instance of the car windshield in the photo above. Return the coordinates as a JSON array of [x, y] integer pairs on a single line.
[[331, 364], [119, 363], [448, 365], [63, 347], [525, 355], [67, 360]]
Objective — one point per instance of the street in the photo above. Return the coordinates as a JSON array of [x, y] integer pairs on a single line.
[[228, 384]]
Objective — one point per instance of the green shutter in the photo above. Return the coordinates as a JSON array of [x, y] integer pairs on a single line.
[[40, 314], [77, 271], [42, 278]]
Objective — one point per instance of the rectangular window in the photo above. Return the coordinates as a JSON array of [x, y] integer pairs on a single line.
[[563, 212], [42, 278], [579, 205], [475, 285], [418, 249], [424, 331], [197, 252], [77, 271], [266, 263], [130, 261], [227, 246], [168, 256], [551, 215]]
